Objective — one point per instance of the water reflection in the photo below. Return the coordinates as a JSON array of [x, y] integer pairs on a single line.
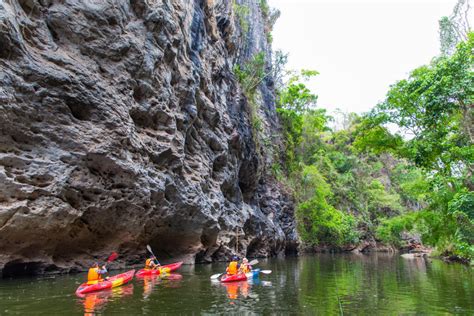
[[310, 285], [242, 289], [96, 301], [234, 288], [168, 280], [382, 283]]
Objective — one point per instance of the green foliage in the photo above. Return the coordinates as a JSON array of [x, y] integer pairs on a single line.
[[411, 184], [319, 222], [390, 230], [277, 171], [270, 15], [462, 202], [242, 12], [375, 138], [434, 105], [447, 36], [339, 191], [294, 103], [362, 180], [264, 7], [297, 97], [269, 38], [379, 199], [292, 124], [455, 28], [251, 74]]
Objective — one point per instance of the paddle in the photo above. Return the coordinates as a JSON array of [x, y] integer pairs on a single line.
[[215, 276], [151, 251], [112, 257], [266, 271]]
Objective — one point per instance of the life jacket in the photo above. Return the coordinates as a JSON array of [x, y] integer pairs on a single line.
[[148, 265], [93, 277], [245, 268], [232, 268]]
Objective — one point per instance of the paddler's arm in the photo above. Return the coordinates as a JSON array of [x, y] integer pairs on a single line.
[[103, 271]]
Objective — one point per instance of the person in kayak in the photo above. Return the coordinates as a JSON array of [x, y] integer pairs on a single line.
[[95, 274], [152, 263], [245, 267], [233, 267]]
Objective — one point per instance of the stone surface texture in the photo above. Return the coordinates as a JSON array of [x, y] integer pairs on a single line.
[[122, 124]]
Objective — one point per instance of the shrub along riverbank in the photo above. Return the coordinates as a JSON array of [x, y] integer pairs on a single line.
[[354, 180]]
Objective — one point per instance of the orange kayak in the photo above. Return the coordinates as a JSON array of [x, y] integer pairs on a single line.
[[109, 283], [163, 269]]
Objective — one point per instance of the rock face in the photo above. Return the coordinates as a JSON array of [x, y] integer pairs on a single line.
[[122, 124]]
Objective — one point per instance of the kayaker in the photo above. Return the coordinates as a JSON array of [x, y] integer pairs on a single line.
[[233, 267], [245, 267], [96, 274], [152, 263]]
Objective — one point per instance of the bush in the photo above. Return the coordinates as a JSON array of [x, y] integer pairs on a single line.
[[319, 222], [251, 74], [390, 230]]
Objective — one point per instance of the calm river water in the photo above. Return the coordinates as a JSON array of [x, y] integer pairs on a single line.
[[325, 284]]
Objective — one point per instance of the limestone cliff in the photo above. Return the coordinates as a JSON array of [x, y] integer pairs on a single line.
[[122, 124]]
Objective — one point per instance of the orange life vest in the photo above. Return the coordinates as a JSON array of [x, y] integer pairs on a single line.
[[232, 268], [148, 265], [245, 268], [93, 277]]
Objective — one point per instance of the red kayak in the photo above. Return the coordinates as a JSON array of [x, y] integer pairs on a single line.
[[163, 269], [233, 278], [111, 282]]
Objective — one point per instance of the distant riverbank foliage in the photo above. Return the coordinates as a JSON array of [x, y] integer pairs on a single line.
[[353, 178], [435, 107]]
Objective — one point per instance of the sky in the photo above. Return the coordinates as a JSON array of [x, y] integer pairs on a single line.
[[359, 47]]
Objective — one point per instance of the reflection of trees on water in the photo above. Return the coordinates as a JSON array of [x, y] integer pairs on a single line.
[[382, 283]]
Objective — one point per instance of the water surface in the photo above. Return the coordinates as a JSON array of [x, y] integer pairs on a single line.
[[312, 285]]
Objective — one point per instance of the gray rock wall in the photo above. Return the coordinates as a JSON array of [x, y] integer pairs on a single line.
[[122, 124]]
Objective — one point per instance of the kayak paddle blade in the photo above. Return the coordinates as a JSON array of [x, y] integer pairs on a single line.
[[112, 257], [215, 276], [253, 262], [149, 249], [266, 271]]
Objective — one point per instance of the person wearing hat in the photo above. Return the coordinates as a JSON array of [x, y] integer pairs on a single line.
[[233, 267], [95, 274], [245, 267], [151, 263]]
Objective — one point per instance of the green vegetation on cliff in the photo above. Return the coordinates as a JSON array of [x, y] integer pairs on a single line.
[[353, 178], [435, 107], [358, 180], [342, 194]]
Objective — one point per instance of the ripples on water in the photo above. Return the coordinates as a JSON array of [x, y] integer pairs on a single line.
[[314, 285]]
